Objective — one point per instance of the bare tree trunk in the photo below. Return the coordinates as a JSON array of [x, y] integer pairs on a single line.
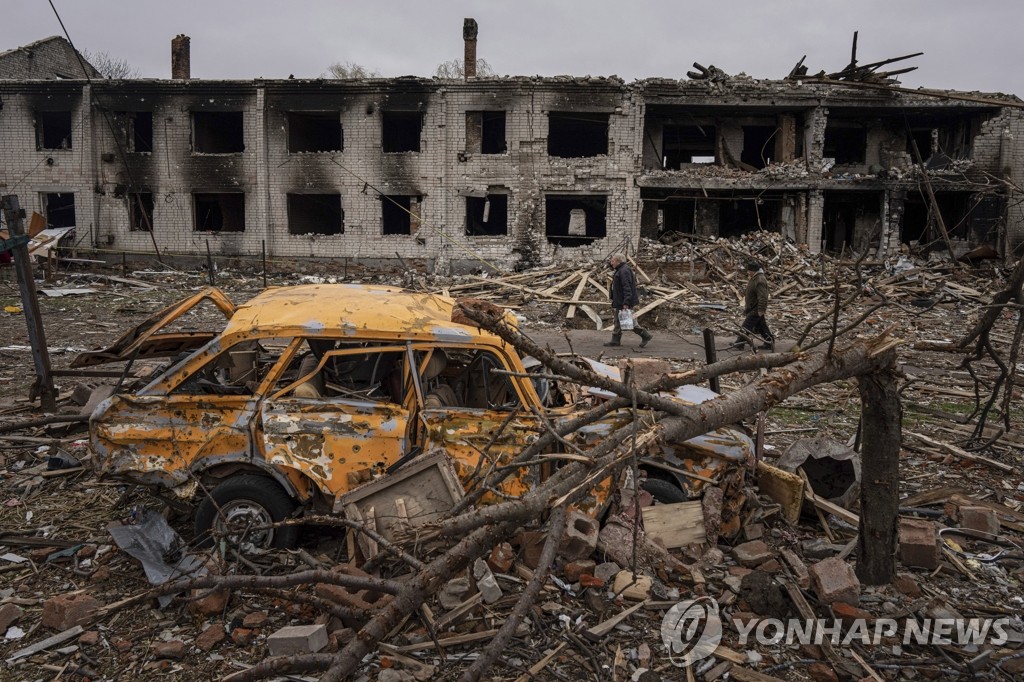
[[881, 418]]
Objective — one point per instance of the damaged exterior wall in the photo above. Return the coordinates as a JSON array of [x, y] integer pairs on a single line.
[[799, 192]]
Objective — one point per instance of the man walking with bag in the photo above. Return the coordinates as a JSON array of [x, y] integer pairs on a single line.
[[625, 297], [756, 305]]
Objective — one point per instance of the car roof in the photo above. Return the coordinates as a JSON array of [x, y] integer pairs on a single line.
[[356, 310]]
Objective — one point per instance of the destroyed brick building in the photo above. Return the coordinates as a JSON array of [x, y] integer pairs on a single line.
[[510, 171]]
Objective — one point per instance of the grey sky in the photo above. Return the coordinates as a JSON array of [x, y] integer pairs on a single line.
[[967, 45]]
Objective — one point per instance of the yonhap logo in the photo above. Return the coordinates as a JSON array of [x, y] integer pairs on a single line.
[[691, 630]]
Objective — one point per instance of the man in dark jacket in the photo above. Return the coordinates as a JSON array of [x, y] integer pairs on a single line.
[[624, 297], [756, 305]]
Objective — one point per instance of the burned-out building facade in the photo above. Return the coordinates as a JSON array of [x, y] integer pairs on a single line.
[[505, 171]]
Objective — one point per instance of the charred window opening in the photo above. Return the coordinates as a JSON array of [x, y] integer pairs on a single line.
[[574, 219], [53, 130], [846, 143], [400, 214], [487, 216], [60, 209], [138, 130], [315, 214], [576, 135], [400, 131], [219, 212], [688, 144], [485, 132], [140, 211], [315, 131], [678, 215], [924, 139], [217, 132], [758, 145], [740, 215], [959, 214]]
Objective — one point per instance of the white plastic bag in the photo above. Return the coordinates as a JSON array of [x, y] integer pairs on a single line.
[[626, 319]]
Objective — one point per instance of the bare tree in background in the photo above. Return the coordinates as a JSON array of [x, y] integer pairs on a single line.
[[454, 68], [349, 70], [109, 66]]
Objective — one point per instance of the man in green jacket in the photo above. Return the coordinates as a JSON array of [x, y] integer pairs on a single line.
[[756, 305]]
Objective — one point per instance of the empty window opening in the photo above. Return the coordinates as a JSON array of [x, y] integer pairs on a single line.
[[401, 131], [60, 209], [314, 131], [575, 220], [138, 130], [220, 212], [851, 221], [846, 144], [485, 132], [679, 215], [925, 140], [53, 130], [688, 144], [140, 211], [217, 132], [400, 214], [315, 214], [758, 145], [741, 215], [487, 215], [576, 135], [920, 224]]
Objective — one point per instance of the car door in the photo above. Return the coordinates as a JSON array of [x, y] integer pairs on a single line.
[[339, 415], [477, 414]]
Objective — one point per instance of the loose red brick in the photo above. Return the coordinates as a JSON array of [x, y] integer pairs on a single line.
[[918, 544], [833, 580]]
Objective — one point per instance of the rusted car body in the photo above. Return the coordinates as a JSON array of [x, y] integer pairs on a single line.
[[314, 390]]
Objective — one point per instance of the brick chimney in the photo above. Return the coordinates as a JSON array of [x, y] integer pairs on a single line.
[[181, 58], [469, 28]]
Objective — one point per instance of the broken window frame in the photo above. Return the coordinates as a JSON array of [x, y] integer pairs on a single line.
[[49, 125], [48, 211], [489, 137], [494, 206], [392, 205], [571, 240], [196, 227], [205, 139], [140, 211], [314, 124], [137, 130], [393, 139], [562, 139], [337, 226]]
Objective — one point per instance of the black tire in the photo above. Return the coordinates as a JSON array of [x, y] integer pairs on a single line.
[[664, 492], [254, 499]]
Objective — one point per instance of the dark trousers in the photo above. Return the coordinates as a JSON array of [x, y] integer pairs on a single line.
[[757, 324], [617, 331]]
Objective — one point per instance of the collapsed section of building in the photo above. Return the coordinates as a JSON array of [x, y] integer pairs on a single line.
[[507, 171]]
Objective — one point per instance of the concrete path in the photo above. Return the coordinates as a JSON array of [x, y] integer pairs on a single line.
[[665, 344]]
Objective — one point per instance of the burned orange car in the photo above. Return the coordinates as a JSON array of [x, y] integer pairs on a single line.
[[311, 391]]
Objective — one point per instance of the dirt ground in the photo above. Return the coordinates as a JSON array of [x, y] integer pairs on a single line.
[[54, 523]]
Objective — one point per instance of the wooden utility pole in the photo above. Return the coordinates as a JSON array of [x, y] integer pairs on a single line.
[[43, 386]]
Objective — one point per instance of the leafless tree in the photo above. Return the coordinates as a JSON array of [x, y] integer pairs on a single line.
[[349, 70], [453, 68], [110, 66]]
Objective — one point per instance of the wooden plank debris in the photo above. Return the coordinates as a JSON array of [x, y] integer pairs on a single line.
[[675, 525]]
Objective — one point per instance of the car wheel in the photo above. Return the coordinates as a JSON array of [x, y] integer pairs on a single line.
[[664, 492], [241, 508]]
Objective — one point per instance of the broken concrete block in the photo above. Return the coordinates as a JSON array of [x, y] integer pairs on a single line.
[[606, 571], [297, 639], [979, 518], [485, 582], [798, 567], [637, 591], [832, 468], [919, 543], [68, 610], [818, 548], [501, 558], [9, 615], [531, 544], [580, 537], [754, 531], [211, 637], [574, 569], [751, 554], [834, 580], [454, 593]]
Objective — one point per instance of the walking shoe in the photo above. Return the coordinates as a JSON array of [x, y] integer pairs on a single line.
[[613, 343], [646, 339], [736, 345]]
